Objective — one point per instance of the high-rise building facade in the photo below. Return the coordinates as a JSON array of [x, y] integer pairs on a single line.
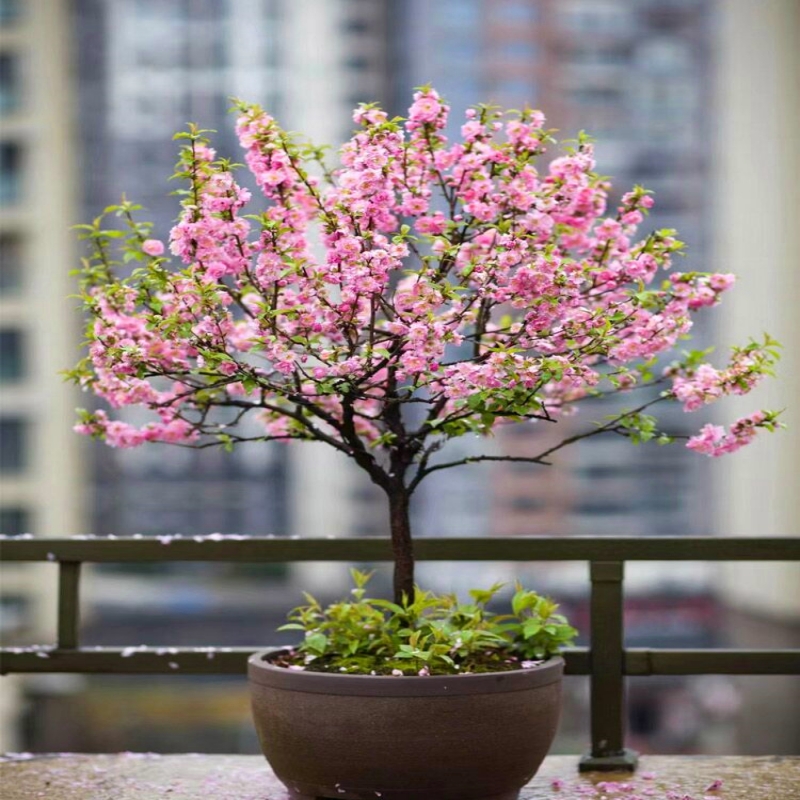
[[41, 472], [758, 183], [146, 69], [637, 77]]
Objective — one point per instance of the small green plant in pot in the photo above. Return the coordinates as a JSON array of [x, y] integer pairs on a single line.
[[418, 291], [427, 634]]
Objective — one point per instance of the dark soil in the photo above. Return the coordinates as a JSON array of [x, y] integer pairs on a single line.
[[487, 661]]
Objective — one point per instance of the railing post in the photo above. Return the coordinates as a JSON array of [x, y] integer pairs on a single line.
[[607, 678], [69, 577]]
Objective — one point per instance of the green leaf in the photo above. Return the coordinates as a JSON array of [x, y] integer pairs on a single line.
[[531, 627], [316, 643]]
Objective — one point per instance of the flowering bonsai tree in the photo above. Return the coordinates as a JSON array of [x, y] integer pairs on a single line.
[[419, 291]]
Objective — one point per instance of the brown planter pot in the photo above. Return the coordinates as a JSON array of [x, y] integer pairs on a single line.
[[361, 737]]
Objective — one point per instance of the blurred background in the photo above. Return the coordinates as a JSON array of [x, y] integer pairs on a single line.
[[697, 100]]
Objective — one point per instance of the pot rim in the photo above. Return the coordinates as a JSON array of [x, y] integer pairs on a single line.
[[261, 672]]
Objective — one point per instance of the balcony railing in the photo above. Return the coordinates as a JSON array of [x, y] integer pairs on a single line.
[[607, 661]]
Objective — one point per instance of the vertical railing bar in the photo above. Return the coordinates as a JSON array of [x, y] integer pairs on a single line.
[[69, 578], [607, 670], [606, 644]]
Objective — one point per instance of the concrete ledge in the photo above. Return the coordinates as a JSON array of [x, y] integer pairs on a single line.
[[147, 776]]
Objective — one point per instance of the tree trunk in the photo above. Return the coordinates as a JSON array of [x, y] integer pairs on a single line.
[[402, 547]]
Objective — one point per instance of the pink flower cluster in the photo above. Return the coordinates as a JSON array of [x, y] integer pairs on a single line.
[[121, 434], [634, 789], [418, 269], [700, 291], [714, 440], [705, 384]]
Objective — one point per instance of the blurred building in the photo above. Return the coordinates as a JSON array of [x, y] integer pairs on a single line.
[[637, 76], [757, 180], [146, 68], [42, 480]]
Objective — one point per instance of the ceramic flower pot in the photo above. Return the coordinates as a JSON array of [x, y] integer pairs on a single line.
[[361, 737]]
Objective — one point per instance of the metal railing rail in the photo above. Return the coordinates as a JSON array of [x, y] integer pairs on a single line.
[[607, 661]]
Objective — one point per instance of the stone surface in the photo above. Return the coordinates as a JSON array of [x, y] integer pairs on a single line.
[[148, 776]]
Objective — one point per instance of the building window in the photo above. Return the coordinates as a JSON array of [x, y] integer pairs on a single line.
[[460, 49], [9, 11], [603, 507], [157, 9], [670, 98], [12, 355], [14, 521], [14, 614], [359, 63], [10, 172], [162, 52], [357, 26], [516, 11], [596, 55], [9, 83], [466, 14], [596, 17], [515, 92], [13, 445], [519, 51], [594, 472], [665, 56], [10, 263], [605, 97], [526, 503]]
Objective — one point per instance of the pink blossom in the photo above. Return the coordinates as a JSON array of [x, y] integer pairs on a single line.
[[713, 440], [705, 384], [427, 108], [465, 275], [721, 282], [153, 247], [434, 224]]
